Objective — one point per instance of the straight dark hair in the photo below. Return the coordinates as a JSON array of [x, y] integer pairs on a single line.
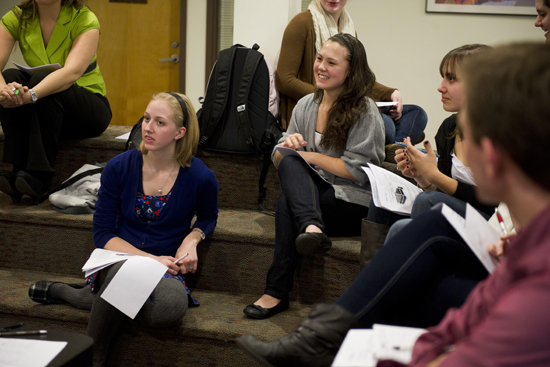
[[453, 59], [352, 103]]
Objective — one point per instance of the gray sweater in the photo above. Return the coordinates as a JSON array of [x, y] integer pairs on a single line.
[[365, 144]]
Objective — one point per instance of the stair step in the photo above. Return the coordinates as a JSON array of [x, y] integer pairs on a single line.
[[213, 325], [235, 258]]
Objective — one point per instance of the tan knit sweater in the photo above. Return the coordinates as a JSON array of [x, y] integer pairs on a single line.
[[295, 77]]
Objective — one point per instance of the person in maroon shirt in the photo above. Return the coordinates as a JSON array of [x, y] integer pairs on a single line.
[[505, 320]]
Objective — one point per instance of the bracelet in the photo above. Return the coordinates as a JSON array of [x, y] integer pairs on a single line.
[[424, 188]]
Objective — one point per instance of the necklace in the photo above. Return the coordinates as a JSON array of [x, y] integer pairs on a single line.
[[159, 191]]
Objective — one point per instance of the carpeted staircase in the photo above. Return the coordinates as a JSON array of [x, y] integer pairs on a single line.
[[39, 243]]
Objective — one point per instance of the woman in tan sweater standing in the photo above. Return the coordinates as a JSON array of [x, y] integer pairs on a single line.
[[303, 38]]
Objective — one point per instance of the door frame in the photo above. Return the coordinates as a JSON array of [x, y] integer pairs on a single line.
[[183, 45], [212, 36]]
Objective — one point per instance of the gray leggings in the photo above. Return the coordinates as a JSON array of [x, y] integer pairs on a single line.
[[165, 307]]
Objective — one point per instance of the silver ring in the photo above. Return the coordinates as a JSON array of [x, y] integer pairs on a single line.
[[14, 89]]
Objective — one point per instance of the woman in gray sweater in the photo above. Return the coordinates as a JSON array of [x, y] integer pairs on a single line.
[[332, 133]]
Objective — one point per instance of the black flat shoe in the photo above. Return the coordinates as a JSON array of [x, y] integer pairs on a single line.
[[312, 243], [7, 185], [39, 292], [258, 312], [27, 184]]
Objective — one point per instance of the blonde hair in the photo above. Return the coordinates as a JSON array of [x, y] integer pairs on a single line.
[[186, 147]]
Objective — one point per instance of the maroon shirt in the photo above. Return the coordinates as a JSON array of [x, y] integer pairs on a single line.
[[506, 319]]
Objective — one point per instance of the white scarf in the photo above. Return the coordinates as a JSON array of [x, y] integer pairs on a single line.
[[325, 25]]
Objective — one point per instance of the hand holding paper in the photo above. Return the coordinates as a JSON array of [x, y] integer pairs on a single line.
[[475, 231]]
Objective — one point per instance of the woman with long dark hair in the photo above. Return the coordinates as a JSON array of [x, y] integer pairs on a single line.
[[336, 131]]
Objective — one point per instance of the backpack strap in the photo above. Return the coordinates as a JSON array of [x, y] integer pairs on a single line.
[[262, 190], [224, 64], [251, 64], [71, 181], [134, 139]]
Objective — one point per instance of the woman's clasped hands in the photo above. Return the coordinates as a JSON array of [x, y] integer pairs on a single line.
[[14, 95], [416, 164]]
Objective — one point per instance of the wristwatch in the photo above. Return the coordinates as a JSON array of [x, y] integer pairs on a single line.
[[34, 97], [199, 232]]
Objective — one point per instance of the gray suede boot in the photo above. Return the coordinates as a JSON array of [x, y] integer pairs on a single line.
[[314, 343], [373, 236]]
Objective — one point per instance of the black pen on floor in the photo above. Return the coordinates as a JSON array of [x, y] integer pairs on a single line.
[[11, 327], [28, 332]]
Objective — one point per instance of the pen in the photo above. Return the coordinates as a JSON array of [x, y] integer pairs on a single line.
[[181, 258], [30, 332], [422, 150], [501, 222], [17, 92], [11, 327], [397, 347]]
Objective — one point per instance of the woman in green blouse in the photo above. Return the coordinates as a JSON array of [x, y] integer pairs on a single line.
[[39, 108]]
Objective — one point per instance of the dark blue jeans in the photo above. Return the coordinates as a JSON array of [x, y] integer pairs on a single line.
[[306, 199], [412, 123], [420, 273]]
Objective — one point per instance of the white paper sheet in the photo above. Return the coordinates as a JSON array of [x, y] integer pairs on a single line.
[[102, 258], [475, 231], [133, 284], [15, 352], [395, 342], [123, 136], [287, 151], [357, 349], [390, 191], [364, 347]]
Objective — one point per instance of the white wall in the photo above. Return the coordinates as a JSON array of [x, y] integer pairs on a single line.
[[404, 43], [195, 50], [263, 22]]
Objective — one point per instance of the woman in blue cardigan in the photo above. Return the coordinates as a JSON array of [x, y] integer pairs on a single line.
[[146, 204]]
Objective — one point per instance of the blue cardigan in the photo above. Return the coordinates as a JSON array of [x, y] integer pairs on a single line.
[[195, 192]]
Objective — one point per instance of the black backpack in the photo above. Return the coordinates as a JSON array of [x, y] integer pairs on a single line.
[[235, 116]]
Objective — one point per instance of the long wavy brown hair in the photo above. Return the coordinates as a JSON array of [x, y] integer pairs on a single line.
[[27, 10], [352, 102]]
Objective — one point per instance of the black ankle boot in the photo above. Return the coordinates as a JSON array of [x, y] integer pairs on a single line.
[[314, 343], [28, 184], [373, 236], [7, 185]]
